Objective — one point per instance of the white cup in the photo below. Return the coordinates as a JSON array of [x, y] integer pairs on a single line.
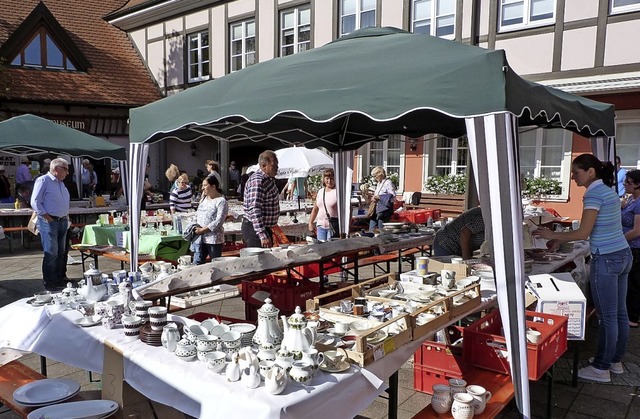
[[457, 261], [341, 327], [457, 385], [184, 260], [480, 398], [533, 336], [334, 358], [575, 224]]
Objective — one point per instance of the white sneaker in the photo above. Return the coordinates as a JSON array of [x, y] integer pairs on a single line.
[[593, 374], [616, 367]]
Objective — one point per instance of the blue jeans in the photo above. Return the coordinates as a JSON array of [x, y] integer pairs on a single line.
[[323, 234], [212, 250], [609, 290], [53, 237]]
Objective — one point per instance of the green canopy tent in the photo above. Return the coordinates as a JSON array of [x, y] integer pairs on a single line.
[[378, 82], [29, 134]]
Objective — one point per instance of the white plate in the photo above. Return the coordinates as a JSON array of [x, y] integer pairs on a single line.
[[253, 250], [88, 321], [46, 391], [340, 368], [86, 409], [393, 224], [377, 337]]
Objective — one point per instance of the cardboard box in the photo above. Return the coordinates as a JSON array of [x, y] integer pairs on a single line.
[[558, 294], [436, 264], [412, 276]]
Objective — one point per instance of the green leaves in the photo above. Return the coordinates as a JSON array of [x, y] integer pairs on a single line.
[[541, 187], [447, 185]]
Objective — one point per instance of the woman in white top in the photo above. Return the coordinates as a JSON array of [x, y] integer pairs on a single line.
[[325, 209], [211, 214]]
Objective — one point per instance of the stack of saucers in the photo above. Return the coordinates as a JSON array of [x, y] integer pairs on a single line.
[[247, 330], [149, 336]]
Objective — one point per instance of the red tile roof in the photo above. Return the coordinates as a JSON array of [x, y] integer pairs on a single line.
[[117, 76]]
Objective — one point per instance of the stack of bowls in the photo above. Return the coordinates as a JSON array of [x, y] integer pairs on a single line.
[[246, 330]]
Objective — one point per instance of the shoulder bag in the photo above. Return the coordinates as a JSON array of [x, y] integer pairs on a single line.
[[334, 223], [32, 226]]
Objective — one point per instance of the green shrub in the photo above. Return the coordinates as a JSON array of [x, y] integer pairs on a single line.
[[541, 187]]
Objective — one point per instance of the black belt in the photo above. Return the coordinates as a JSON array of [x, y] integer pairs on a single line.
[[64, 217]]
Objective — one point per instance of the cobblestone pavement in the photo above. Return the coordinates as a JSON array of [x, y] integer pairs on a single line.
[[20, 277]]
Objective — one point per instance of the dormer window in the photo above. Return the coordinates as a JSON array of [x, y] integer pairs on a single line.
[[42, 52]]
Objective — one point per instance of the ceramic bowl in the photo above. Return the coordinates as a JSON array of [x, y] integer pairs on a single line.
[[387, 293], [185, 349], [209, 324], [195, 331], [231, 339], [216, 360], [206, 343], [464, 283], [202, 355], [219, 329]]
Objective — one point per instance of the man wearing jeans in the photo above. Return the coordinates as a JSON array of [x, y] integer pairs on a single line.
[[261, 203], [50, 200]]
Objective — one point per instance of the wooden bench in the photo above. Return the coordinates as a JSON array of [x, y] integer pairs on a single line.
[[15, 374], [499, 385], [449, 205], [11, 233]]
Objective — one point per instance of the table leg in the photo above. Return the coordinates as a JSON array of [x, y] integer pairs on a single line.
[[550, 390], [399, 261], [576, 360], [43, 365], [393, 396]]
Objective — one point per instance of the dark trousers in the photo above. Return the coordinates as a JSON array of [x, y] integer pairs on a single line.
[[249, 236], [633, 288]]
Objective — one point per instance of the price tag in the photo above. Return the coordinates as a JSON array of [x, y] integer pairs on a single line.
[[378, 352]]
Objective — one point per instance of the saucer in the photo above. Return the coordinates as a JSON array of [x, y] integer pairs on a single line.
[[88, 321], [340, 368]]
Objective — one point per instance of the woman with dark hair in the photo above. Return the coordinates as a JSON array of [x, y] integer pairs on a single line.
[[610, 262], [211, 214], [631, 230]]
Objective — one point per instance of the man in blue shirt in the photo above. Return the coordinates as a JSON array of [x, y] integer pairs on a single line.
[[621, 175], [50, 200]]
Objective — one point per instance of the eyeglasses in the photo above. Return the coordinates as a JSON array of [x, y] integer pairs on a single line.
[[66, 169]]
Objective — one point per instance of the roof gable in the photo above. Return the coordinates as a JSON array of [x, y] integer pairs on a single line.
[[41, 16]]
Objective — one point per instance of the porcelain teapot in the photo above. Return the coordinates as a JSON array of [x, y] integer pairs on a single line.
[[268, 332], [297, 336], [93, 276]]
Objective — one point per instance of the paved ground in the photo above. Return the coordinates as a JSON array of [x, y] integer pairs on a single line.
[[20, 277]]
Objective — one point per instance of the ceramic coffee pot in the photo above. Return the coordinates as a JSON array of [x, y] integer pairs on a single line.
[[268, 331], [297, 336]]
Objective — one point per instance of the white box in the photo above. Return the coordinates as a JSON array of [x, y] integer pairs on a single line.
[[559, 294]]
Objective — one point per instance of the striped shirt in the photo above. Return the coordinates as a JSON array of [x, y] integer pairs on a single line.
[[606, 236], [180, 199], [261, 203]]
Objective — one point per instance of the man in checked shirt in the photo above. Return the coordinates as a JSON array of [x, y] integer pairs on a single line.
[[261, 203]]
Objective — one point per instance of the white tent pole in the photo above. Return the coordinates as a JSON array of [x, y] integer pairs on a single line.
[[343, 164], [77, 174], [137, 164], [493, 146]]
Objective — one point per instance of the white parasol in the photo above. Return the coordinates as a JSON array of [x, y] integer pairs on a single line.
[[299, 162]]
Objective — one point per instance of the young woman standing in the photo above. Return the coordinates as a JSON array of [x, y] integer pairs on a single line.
[[631, 230], [610, 262], [211, 214]]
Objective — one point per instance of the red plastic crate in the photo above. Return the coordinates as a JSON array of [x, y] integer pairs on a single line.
[[285, 294], [485, 347], [420, 216], [425, 378], [440, 356]]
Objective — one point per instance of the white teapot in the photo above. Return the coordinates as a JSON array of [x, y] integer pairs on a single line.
[[297, 336], [268, 331]]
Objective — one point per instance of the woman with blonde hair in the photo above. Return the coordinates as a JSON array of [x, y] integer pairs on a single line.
[[180, 197], [384, 197], [324, 215], [172, 174]]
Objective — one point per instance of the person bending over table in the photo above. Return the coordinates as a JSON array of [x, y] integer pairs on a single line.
[[611, 261], [462, 236], [50, 200], [211, 214], [261, 204]]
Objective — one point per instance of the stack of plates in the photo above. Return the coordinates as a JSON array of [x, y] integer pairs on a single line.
[[83, 409], [246, 330], [45, 392], [149, 336]]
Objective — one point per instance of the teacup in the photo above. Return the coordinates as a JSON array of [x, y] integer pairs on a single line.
[[448, 278], [457, 261], [341, 327], [219, 329], [43, 296], [457, 385], [216, 360], [184, 260], [334, 358], [86, 308], [115, 309], [195, 331], [206, 343], [141, 309], [346, 306], [231, 339], [533, 336], [265, 366], [131, 325], [480, 398]]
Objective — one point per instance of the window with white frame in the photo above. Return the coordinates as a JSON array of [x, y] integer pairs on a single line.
[[243, 44], [623, 6], [451, 156], [388, 154], [356, 14], [519, 14], [198, 60], [627, 145], [295, 30], [546, 153], [434, 17]]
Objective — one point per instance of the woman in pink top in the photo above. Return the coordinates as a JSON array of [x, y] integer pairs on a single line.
[[325, 209]]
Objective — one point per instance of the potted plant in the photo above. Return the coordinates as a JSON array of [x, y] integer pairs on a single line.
[[446, 185], [541, 188]]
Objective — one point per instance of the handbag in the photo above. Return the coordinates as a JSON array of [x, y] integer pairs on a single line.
[[334, 223], [371, 212], [32, 225]]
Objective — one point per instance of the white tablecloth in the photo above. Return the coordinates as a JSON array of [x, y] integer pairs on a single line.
[[189, 386]]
